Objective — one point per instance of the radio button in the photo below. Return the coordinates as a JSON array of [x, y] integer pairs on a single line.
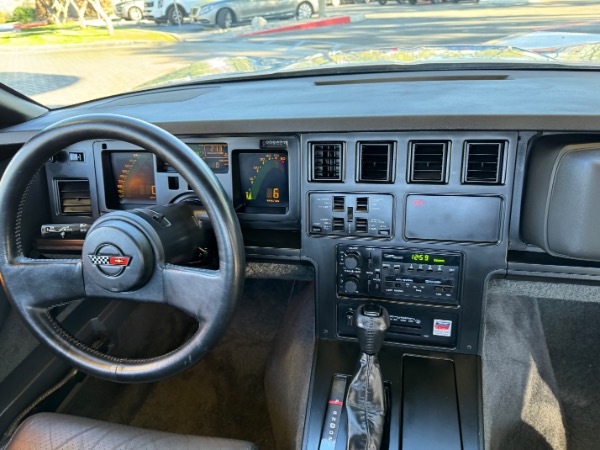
[[351, 261], [351, 285]]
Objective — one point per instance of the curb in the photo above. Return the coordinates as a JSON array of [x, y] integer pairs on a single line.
[[328, 22], [84, 46]]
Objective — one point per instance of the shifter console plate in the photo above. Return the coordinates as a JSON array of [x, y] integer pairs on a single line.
[[333, 417], [408, 324]]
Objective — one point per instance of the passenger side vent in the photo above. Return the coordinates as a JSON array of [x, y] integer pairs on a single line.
[[74, 197], [428, 162], [375, 162], [326, 161], [484, 162]]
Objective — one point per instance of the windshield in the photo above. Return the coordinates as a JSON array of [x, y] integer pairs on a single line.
[[60, 55]]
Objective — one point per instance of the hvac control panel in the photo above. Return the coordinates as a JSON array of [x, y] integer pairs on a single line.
[[344, 214], [398, 274]]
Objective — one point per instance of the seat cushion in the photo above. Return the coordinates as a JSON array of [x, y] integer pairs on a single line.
[[58, 431]]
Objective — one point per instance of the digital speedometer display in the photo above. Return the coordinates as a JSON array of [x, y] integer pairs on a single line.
[[133, 174], [216, 157], [264, 179]]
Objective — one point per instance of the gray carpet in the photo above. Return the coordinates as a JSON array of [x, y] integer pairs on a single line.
[[221, 396], [16, 342], [541, 374]]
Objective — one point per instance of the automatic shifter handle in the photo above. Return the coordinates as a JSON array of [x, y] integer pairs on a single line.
[[372, 321], [365, 400]]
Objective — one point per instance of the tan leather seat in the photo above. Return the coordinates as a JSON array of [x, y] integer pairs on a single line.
[[61, 432]]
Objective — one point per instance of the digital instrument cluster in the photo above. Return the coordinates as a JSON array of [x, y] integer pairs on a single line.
[[260, 178], [263, 181], [133, 175], [215, 155]]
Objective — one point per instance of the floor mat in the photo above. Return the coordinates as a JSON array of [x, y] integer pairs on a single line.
[[540, 370], [573, 336], [221, 396]]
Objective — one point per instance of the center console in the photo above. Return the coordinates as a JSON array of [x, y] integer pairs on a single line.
[[405, 222]]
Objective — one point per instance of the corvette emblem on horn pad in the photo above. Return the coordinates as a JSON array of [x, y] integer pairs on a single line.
[[109, 260], [106, 260]]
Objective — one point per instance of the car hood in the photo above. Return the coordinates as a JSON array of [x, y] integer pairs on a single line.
[[453, 56]]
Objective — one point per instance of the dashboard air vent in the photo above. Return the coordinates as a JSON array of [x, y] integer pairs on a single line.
[[74, 197], [483, 162], [326, 161], [428, 162], [375, 162]]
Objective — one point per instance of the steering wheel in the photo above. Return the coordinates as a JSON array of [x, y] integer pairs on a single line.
[[140, 272]]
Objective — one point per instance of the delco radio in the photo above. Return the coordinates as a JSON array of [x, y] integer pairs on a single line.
[[398, 274]]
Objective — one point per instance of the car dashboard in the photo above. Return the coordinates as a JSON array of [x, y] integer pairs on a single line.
[[410, 190]]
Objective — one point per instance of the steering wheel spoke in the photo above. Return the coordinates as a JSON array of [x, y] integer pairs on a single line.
[[197, 292], [42, 283]]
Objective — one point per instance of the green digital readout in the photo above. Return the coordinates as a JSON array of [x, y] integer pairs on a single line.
[[424, 257]]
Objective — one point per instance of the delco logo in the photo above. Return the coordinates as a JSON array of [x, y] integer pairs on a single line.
[[442, 328]]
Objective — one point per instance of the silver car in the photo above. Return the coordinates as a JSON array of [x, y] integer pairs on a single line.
[[226, 13], [130, 10]]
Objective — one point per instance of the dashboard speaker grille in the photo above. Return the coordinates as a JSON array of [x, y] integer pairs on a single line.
[[428, 162], [375, 162], [326, 161], [483, 162], [74, 197]]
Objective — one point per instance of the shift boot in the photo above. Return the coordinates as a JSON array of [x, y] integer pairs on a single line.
[[365, 401]]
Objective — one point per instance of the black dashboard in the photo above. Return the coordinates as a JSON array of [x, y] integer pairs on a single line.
[[406, 189]]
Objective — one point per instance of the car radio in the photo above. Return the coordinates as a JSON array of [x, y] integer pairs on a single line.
[[398, 274]]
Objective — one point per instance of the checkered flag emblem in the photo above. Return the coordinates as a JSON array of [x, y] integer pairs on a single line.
[[99, 260]]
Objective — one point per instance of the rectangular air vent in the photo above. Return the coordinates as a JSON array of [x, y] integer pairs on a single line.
[[326, 161], [483, 162], [375, 162], [428, 162], [74, 197]]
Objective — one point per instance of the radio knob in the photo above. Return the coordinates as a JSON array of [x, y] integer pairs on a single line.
[[351, 285], [351, 261]]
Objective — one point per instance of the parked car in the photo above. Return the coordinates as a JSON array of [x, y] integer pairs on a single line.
[[172, 11], [414, 2], [225, 13], [130, 10]]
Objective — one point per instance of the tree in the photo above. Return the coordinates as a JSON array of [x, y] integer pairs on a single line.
[[57, 11]]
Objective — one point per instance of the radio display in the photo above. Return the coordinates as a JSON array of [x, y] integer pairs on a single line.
[[133, 174], [263, 179], [427, 259]]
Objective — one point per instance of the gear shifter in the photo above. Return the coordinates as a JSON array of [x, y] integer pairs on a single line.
[[365, 401]]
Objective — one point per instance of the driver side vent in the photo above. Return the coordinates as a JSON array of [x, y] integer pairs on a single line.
[[74, 197], [483, 162], [428, 162], [326, 160]]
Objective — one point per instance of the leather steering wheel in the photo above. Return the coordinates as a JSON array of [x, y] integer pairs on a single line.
[[34, 285]]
